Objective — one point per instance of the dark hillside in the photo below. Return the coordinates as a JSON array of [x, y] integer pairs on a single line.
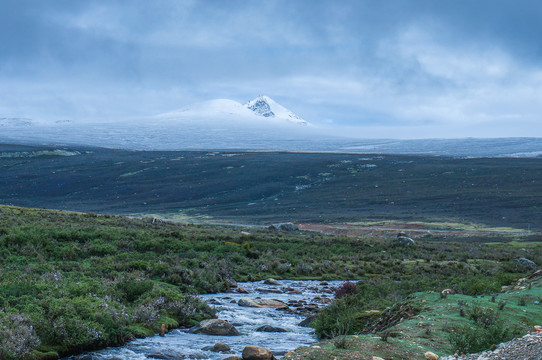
[[268, 187]]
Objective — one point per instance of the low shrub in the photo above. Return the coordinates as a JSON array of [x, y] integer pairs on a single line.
[[133, 289], [485, 330], [346, 288], [17, 337]]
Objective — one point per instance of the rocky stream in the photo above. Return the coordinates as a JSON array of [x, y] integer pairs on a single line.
[[249, 310]]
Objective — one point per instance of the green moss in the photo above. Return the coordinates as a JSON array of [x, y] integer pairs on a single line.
[[51, 355], [140, 331]]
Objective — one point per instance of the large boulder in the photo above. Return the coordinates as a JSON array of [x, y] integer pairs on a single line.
[[269, 328], [284, 227], [307, 322], [527, 262], [404, 240], [218, 347], [257, 353], [215, 327], [277, 304]]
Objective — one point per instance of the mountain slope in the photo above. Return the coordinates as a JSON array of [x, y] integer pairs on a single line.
[[211, 108]]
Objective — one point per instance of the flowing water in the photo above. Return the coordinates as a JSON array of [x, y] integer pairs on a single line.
[[180, 344]]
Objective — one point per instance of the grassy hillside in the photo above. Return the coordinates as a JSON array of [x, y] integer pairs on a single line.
[[73, 281], [443, 325], [269, 187]]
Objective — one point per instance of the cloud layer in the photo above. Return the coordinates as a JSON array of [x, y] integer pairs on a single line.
[[387, 68]]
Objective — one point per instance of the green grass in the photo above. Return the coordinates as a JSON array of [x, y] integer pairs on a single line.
[[71, 282]]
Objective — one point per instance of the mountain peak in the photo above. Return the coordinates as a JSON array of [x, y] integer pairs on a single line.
[[265, 106]]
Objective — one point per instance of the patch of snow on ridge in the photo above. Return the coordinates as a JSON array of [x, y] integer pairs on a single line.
[[15, 122]]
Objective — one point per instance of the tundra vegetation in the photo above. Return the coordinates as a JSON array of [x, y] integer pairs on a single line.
[[268, 187], [71, 282]]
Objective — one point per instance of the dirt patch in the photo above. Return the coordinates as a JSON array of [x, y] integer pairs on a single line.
[[379, 231]]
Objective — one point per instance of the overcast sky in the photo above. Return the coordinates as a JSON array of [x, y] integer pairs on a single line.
[[401, 68]]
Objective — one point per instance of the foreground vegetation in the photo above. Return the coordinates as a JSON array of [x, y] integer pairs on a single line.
[[71, 282]]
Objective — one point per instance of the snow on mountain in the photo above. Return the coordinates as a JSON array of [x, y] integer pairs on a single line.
[[211, 109], [262, 110], [267, 107], [15, 122]]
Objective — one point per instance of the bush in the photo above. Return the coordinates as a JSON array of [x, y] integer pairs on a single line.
[[17, 337], [336, 319], [346, 288], [146, 314], [478, 285], [303, 269], [133, 289], [482, 316], [485, 331]]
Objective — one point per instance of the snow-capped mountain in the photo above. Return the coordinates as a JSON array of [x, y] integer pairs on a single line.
[[262, 110], [262, 124], [267, 107]]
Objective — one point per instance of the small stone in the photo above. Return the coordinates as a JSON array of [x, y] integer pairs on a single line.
[[431, 356], [271, 282], [163, 330], [376, 358]]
